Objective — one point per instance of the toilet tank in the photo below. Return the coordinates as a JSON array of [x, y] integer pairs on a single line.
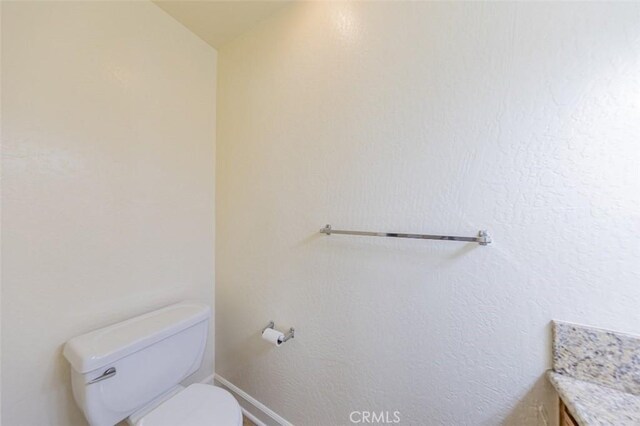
[[149, 355]]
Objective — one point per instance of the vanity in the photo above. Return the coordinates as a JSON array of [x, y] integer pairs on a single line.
[[566, 418], [596, 374]]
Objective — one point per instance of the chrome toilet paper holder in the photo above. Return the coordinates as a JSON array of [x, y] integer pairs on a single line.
[[289, 335]]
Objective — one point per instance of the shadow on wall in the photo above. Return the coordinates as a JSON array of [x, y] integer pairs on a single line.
[[253, 346], [532, 407], [538, 406]]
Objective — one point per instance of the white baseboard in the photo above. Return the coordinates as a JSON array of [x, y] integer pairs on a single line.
[[256, 421], [253, 409], [209, 380]]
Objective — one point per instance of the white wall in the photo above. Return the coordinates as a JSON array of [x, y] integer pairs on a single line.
[[108, 184], [439, 118]]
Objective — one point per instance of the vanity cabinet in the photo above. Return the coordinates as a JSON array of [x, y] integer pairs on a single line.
[[566, 419]]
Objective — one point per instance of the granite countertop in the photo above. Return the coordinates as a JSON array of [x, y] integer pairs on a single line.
[[597, 374], [596, 405]]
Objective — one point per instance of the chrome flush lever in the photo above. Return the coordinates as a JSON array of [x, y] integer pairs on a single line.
[[108, 373]]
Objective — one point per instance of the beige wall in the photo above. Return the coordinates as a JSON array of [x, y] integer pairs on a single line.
[[108, 184], [522, 118]]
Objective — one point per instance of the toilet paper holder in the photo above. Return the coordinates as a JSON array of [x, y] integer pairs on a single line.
[[289, 335]]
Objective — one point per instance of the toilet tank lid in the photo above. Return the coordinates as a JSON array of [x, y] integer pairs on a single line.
[[101, 347]]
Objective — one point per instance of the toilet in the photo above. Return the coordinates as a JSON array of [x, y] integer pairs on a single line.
[[132, 371]]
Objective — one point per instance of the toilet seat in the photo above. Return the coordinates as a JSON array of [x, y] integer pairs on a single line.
[[197, 405]]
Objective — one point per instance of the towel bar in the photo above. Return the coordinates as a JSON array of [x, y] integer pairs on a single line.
[[483, 237]]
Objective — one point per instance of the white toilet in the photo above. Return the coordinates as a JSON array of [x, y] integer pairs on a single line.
[[132, 370]]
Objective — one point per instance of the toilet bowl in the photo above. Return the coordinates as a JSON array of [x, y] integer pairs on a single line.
[[196, 405], [132, 370]]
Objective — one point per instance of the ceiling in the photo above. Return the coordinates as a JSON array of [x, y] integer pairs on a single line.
[[217, 22]]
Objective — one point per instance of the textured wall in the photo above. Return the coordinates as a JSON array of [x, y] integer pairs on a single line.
[[108, 117], [436, 118]]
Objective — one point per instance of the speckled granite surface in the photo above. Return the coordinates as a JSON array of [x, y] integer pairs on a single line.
[[596, 355], [596, 405], [597, 374]]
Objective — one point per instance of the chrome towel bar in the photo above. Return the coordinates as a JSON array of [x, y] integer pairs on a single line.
[[483, 237]]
